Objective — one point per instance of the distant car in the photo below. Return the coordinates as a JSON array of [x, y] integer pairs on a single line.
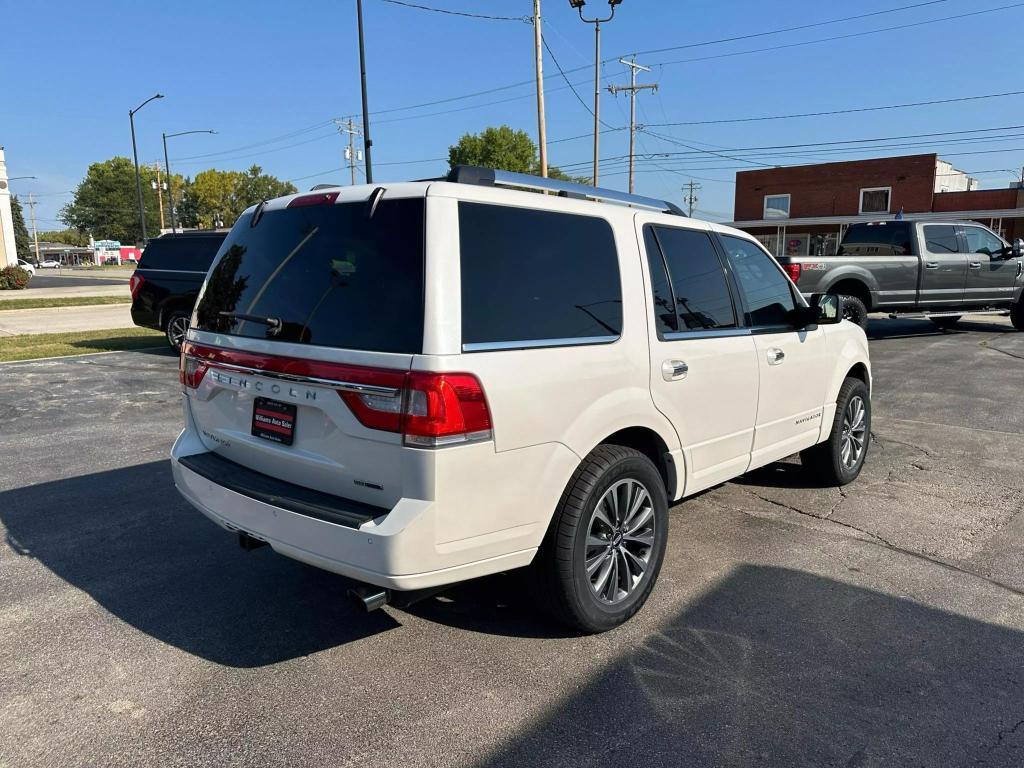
[[166, 283], [49, 264], [27, 267]]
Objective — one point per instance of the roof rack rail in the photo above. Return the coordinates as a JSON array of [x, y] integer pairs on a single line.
[[488, 177]]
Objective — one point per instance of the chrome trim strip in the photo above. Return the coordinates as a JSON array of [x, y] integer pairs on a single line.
[[492, 346], [706, 334], [180, 271], [345, 386]]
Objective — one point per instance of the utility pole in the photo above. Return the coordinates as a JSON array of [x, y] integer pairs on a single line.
[[35, 232], [597, 22], [352, 156], [631, 89], [367, 143], [542, 131], [158, 185], [691, 197]]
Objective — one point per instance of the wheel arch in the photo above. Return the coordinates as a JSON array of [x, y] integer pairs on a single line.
[[652, 445], [857, 285]]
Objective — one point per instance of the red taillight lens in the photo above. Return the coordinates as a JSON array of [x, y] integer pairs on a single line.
[[793, 270], [444, 408], [190, 369], [320, 198], [135, 283]]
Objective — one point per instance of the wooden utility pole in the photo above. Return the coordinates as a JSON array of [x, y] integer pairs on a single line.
[[542, 131], [631, 89], [352, 156], [159, 195], [691, 197], [35, 232]]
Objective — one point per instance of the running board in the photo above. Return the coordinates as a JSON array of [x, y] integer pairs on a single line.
[[960, 313]]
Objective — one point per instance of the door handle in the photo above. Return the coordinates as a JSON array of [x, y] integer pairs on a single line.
[[775, 356], [974, 265], [674, 370], [931, 265]]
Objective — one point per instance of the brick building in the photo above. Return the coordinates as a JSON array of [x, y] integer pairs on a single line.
[[804, 210]]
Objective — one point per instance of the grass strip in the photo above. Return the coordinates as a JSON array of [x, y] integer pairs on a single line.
[[61, 301], [33, 346]]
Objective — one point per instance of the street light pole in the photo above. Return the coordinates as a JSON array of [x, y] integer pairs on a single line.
[[367, 143], [597, 22], [170, 179], [135, 157]]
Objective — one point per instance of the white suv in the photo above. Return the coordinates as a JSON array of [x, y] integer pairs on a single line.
[[419, 383]]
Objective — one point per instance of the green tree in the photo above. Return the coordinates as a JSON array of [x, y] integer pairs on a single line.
[[222, 195], [21, 239], [106, 203], [505, 149], [68, 236]]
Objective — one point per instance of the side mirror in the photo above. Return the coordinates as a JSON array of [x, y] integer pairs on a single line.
[[827, 308], [1017, 249]]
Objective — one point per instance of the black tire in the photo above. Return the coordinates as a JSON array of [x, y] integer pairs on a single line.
[[825, 460], [560, 569], [855, 311], [1017, 315], [945, 322], [176, 320]]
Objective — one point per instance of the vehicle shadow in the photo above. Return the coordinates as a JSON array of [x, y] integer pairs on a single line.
[[779, 667], [127, 539], [781, 474], [902, 328]]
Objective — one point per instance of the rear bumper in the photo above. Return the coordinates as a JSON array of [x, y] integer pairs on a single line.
[[400, 549]]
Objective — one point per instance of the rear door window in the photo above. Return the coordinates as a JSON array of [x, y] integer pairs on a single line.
[[328, 275], [941, 238], [883, 238], [536, 278], [767, 293], [192, 253], [691, 290]]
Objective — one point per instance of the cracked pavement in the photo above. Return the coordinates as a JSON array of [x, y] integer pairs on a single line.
[[877, 625]]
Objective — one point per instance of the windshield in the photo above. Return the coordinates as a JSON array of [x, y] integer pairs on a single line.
[[328, 275]]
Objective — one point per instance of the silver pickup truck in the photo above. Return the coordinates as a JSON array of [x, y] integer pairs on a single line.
[[941, 270]]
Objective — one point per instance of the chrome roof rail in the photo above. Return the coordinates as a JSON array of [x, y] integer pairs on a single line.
[[488, 177]]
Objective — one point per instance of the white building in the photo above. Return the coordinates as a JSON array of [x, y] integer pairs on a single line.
[[8, 252]]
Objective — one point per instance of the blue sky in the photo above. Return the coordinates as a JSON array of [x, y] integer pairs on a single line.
[[256, 71]]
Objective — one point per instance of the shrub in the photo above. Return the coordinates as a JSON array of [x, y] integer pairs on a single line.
[[13, 278]]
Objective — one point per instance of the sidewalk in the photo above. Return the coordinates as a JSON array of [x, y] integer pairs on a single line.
[[14, 322]]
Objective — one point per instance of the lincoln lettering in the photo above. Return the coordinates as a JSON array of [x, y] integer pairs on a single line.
[[222, 377]]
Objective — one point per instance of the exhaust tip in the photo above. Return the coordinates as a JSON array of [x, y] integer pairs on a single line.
[[370, 597]]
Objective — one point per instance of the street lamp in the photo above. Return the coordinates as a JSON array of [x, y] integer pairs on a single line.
[[15, 178], [170, 179], [135, 157], [597, 22]]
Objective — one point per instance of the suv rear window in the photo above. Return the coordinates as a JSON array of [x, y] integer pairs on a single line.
[[329, 274], [886, 238], [191, 253], [537, 276]]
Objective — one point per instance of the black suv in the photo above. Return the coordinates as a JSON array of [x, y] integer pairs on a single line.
[[167, 282]]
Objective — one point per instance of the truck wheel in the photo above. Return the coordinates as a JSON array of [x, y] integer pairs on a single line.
[[855, 311], [605, 545], [176, 328], [838, 460], [945, 322], [1017, 315]]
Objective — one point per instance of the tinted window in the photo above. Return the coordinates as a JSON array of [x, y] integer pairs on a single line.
[[331, 276], [531, 275], [982, 241], [766, 291], [884, 238], [192, 252], [697, 288], [941, 238]]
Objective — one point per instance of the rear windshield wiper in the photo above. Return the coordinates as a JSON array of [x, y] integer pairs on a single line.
[[274, 323]]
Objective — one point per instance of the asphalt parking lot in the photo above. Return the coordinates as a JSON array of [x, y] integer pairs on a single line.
[[878, 625], [45, 279]]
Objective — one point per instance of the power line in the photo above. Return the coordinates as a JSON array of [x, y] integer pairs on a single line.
[[525, 19], [261, 143]]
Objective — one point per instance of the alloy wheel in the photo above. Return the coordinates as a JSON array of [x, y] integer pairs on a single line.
[[854, 432], [620, 540], [177, 330]]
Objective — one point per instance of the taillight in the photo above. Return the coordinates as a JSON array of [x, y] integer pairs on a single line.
[[135, 283], [793, 270], [191, 369], [320, 198], [432, 409]]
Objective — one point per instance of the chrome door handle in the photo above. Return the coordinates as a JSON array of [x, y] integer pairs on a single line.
[[775, 356], [674, 370], [974, 265], [931, 265]]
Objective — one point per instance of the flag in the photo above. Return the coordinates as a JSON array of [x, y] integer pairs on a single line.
[[899, 216]]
